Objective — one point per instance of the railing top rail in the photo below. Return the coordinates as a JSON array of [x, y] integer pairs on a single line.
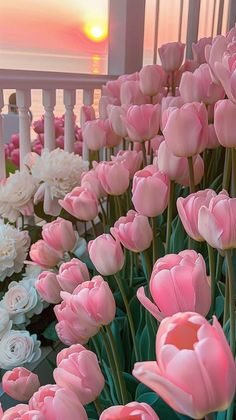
[[30, 79]]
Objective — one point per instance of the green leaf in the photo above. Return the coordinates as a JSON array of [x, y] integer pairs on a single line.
[[178, 240], [131, 384], [219, 306], [10, 167], [50, 332]]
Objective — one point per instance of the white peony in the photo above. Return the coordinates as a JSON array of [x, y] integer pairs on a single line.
[[60, 171], [14, 245], [18, 348], [16, 195], [5, 322]]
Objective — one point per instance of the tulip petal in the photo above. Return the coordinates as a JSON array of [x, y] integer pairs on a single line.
[[151, 307], [209, 228]]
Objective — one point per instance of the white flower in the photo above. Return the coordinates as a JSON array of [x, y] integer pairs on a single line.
[[14, 245], [60, 171], [16, 195], [18, 348], [5, 323]]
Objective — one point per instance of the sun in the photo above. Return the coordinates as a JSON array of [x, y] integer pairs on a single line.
[[96, 31]]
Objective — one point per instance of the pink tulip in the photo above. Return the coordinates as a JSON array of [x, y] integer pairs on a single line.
[[112, 90], [59, 127], [188, 209], [78, 148], [189, 378], [151, 79], [38, 126], [132, 76], [198, 86], [57, 403], [6, 151], [81, 314], [198, 170], [15, 140], [21, 412], [217, 221], [104, 103], [94, 134], [60, 142], [142, 122], [198, 49], [130, 94], [44, 255], [90, 181], [169, 102], [225, 122], [186, 129], [148, 184], [171, 55], [37, 147], [114, 177], [20, 383], [71, 274], [131, 159], [87, 113], [131, 411], [114, 114], [40, 138], [213, 141], [81, 203], [182, 277], [133, 231], [106, 254], [15, 157], [48, 287], [80, 372], [59, 235], [155, 143]]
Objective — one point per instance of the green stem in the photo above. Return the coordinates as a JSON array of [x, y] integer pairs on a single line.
[[230, 412], [147, 264], [103, 212], [129, 315], [131, 268], [123, 143], [117, 364], [94, 229], [191, 174], [210, 416], [119, 207], [154, 240], [169, 215], [144, 154], [173, 83], [212, 277], [231, 299], [233, 174], [227, 167], [111, 359], [98, 407], [226, 303]]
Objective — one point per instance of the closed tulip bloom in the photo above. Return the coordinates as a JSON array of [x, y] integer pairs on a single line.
[[183, 278], [198, 170], [81, 203], [22, 412], [133, 231], [225, 122], [198, 49], [148, 184], [186, 375], [103, 104], [171, 55], [217, 221], [114, 177], [94, 134], [20, 383], [80, 373], [59, 235], [130, 411], [48, 287], [82, 313], [188, 209], [87, 113], [131, 159], [130, 93], [186, 129], [56, 403], [106, 254], [151, 79], [71, 274], [91, 181], [44, 255], [117, 123], [143, 121]]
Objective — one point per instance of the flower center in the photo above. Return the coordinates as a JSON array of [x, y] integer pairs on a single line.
[[183, 336]]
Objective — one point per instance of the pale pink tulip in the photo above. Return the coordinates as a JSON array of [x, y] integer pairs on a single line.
[[217, 221], [169, 102], [59, 235], [131, 159], [21, 412], [198, 49], [187, 376], [183, 278], [81, 203], [148, 184], [114, 177], [133, 231], [106, 254], [171, 55], [91, 181], [87, 113], [48, 287], [94, 134], [198, 170], [186, 129], [20, 383], [142, 122], [112, 90], [57, 403], [225, 122], [104, 103], [131, 411], [188, 209], [44, 255], [151, 79], [130, 94], [79, 372], [114, 114], [71, 274]]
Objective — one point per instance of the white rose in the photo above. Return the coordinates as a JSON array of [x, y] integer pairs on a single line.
[[5, 322], [18, 348], [14, 245], [29, 279], [16, 195]]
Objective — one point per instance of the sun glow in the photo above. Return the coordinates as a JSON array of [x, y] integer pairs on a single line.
[[96, 31]]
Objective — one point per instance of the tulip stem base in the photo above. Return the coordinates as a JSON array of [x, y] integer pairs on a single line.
[[191, 174], [98, 407], [131, 273], [144, 154], [227, 166], [169, 215], [129, 315], [231, 299], [154, 239]]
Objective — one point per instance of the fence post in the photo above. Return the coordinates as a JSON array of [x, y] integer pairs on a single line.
[[193, 23], [231, 14]]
